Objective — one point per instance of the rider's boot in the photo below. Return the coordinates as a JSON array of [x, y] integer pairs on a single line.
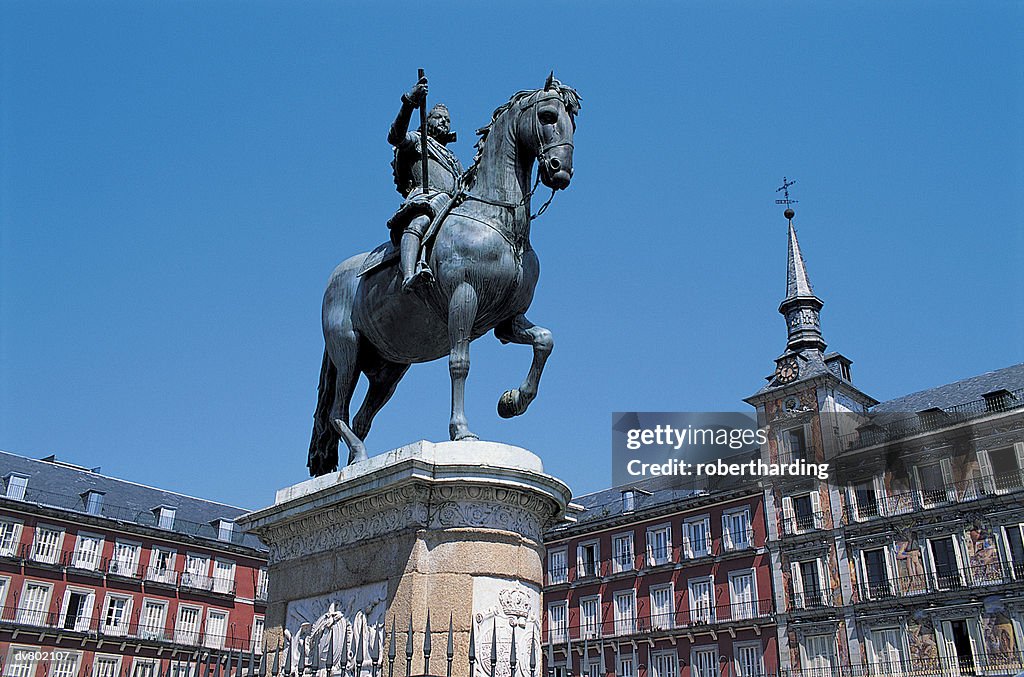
[[414, 271]]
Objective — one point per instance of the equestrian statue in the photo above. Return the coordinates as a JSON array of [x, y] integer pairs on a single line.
[[459, 263]]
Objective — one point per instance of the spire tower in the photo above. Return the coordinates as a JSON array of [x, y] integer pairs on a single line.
[[801, 307]]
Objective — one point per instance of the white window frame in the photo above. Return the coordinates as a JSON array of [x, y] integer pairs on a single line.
[[16, 489], [670, 667], [663, 619], [213, 640], [262, 583], [655, 555], [44, 556], [739, 668], [625, 623], [223, 580], [126, 568], [558, 630], [958, 556], [689, 551], [80, 562], [743, 609], [83, 620], [225, 530], [146, 630], [121, 629], [184, 634], [799, 594], [168, 575], [785, 449], [145, 667], [704, 650], [828, 641], [32, 616], [890, 571], [621, 543], [5, 586], [729, 540], [10, 540], [581, 568], [556, 574], [256, 637], [107, 659], [590, 624], [696, 617], [61, 659], [884, 663], [93, 502], [25, 668], [165, 515], [196, 571]]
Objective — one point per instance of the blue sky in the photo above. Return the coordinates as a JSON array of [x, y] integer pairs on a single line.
[[177, 181]]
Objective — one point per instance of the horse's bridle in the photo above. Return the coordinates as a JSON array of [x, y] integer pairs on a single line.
[[542, 153], [463, 194]]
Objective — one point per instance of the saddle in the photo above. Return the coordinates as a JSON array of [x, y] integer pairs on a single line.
[[388, 253], [385, 255]]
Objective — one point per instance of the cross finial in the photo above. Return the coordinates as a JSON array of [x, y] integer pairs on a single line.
[[784, 189]]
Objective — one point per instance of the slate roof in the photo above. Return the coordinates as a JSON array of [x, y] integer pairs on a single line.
[[61, 485], [956, 393]]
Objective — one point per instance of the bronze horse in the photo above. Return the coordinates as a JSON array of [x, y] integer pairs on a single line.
[[486, 272]]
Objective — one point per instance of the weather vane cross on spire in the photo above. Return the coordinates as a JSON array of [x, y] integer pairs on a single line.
[[784, 189]]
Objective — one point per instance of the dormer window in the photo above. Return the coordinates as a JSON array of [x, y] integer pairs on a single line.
[[93, 502], [628, 500], [16, 486], [998, 400], [164, 517], [225, 530], [932, 418]]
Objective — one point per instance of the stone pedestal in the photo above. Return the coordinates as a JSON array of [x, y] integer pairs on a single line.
[[452, 528]]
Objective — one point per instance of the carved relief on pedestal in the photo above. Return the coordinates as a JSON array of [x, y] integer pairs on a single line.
[[521, 512], [332, 626], [502, 607]]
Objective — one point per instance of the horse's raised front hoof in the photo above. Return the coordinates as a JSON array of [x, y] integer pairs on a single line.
[[511, 404]]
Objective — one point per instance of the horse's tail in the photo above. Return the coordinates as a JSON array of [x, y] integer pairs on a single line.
[[323, 448]]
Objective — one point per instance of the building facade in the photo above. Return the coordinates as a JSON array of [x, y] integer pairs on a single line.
[[656, 581], [106, 578], [906, 559], [904, 556]]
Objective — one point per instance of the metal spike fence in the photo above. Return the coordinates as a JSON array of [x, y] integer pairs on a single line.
[[373, 661]]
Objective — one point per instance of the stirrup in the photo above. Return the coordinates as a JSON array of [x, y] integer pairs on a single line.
[[420, 278]]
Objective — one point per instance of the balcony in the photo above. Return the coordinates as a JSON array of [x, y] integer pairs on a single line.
[[811, 599], [948, 494], [992, 664], [802, 523], [752, 612], [740, 541], [213, 584], [98, 625], [973, 577], [122, 568], [161, 576]]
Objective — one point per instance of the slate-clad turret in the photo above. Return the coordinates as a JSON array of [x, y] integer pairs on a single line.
[[801, 307]]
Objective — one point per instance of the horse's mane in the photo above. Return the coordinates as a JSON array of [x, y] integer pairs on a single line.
[[570, 99]]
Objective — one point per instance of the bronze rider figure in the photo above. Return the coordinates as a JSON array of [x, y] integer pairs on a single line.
[[410, 222]]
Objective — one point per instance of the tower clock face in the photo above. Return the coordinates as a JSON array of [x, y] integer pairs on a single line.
[[787, 370]]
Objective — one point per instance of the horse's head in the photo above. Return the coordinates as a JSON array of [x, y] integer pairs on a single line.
[[546, 123]]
